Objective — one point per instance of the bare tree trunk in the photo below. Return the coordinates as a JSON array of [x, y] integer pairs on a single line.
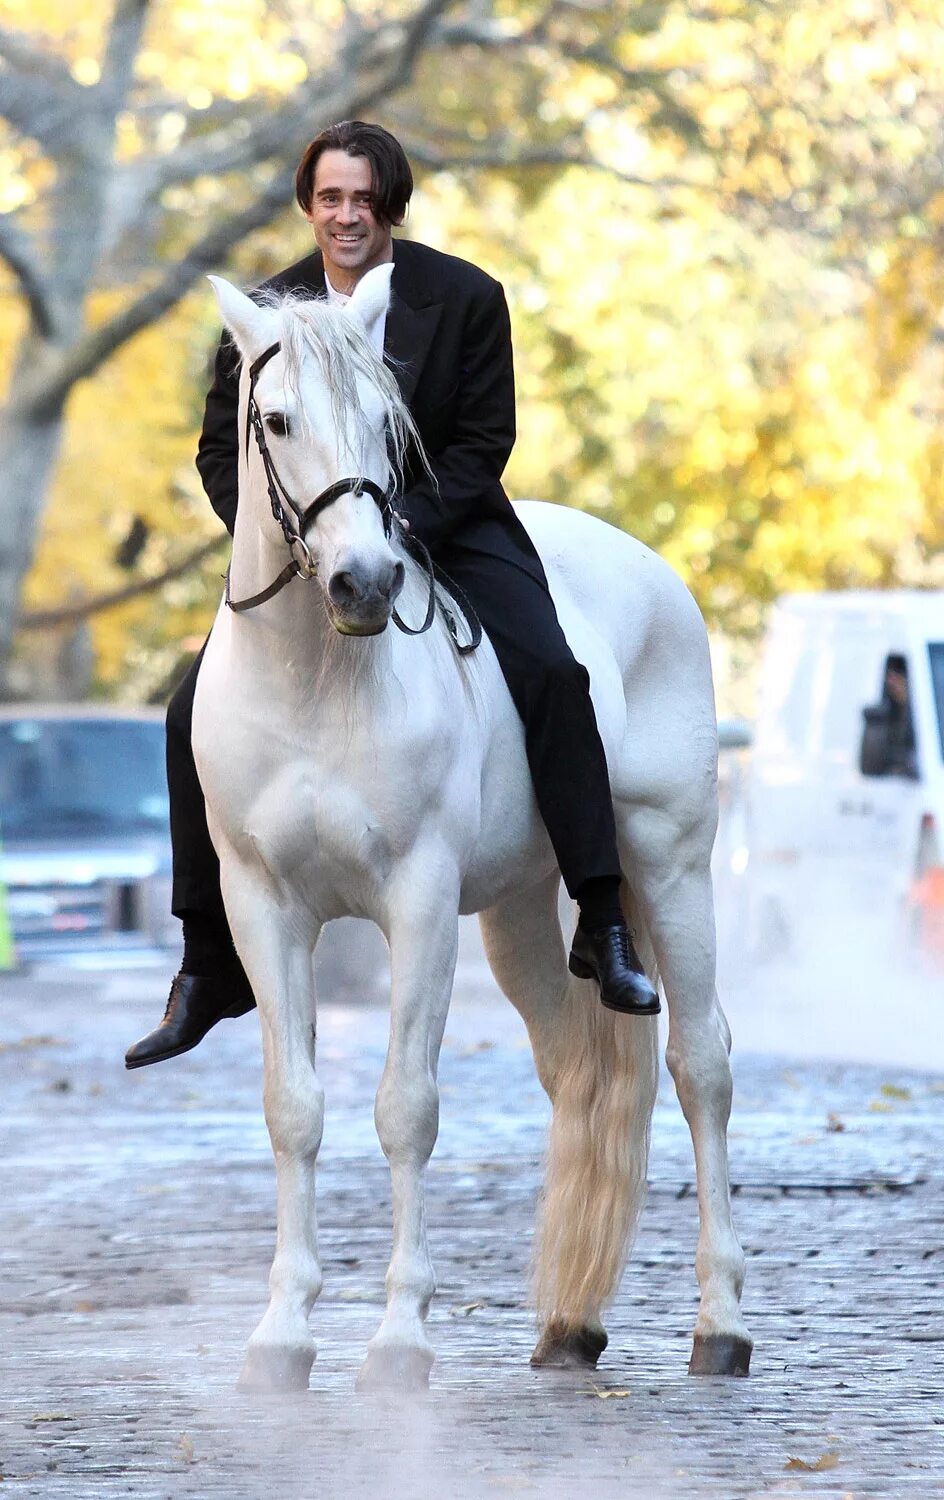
[[29, 449]]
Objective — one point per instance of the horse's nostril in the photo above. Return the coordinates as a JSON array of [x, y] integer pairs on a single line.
[[397, 580], [343, 589]]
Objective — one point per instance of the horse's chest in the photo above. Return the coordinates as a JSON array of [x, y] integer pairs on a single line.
[[324, 817], [309, 822]]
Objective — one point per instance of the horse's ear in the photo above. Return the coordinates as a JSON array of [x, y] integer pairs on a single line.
[[252, 326], [371, 296]]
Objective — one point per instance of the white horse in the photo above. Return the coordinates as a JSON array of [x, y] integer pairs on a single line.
[[352, 770]]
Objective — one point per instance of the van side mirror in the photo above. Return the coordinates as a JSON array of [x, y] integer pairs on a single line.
[[875, 750], [734, 734]]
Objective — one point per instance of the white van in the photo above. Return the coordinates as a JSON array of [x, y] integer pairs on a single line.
[[846, 783]]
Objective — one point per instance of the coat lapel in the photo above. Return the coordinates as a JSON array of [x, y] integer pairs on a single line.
[[412, 321]]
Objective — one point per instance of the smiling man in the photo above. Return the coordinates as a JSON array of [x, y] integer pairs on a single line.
[[348, 234], [447, 337]]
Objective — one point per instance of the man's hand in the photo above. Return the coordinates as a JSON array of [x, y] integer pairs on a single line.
[[401, 521]]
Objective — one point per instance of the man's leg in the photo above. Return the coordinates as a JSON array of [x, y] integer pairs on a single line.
[[551, 691], [211, 983]]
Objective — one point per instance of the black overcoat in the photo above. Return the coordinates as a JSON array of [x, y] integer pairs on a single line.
[[448, 342]]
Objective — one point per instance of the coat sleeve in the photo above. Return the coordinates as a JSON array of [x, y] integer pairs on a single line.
[[218, 449], [471, 463]]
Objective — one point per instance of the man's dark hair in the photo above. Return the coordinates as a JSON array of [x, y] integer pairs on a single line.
[[390, 175]]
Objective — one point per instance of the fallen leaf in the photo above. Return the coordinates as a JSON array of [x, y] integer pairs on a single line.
[[604, 1394], [31, 1041], [465, 1310], [880, 1107], [791, 1080], [806, 1140], [834, 1123], [825, 1461], [51, 1416], [186, 1449], [84, 1307], [892, 1091]]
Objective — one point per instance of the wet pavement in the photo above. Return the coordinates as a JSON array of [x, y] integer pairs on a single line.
[[138, 1231]]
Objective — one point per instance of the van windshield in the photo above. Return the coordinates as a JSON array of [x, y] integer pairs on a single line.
[[78, 778], [936, 653]]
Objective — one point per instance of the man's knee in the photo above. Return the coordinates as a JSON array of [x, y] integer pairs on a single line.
[[548, 680], [561, 674]]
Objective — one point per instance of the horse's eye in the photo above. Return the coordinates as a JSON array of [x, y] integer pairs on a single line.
[[277, 423]]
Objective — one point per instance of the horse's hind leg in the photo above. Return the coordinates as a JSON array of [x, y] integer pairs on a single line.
[[277, 959], [422, 929], [600, 1074], [673, 883]]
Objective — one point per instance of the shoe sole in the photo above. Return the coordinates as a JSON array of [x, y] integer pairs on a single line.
[[145, 1062], [582, 970]]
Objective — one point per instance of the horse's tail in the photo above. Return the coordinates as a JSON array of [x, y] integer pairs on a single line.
[[603, 1090]]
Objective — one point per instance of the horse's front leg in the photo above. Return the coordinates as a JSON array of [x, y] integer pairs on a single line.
[[275, 944], [423, 935]]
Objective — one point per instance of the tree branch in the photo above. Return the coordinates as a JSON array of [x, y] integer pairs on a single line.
[[208, 253], [21, 53], [47, 114], [504, 160], [321, 97], [71, 614], [18, 251]]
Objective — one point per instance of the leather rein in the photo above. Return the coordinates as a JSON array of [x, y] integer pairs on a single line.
[[295, 521]]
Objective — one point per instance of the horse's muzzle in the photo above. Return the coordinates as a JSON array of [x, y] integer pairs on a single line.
[[360, 602]]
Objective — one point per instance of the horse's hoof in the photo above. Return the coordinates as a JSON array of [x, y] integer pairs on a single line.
[[720, 1354], [561, 1348], [270, 1368], [392, 1368]]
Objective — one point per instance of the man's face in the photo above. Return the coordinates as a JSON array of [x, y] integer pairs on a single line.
[[896, 685], [346, 231]]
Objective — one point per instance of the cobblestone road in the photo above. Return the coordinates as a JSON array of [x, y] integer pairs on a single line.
[[138, 1230]]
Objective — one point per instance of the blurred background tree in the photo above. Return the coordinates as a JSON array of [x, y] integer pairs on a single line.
[[719, 226]]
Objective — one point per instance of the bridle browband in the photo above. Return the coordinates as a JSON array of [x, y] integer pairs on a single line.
[[294, 529]]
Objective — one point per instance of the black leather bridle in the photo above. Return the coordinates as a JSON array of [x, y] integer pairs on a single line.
[[302, 564]]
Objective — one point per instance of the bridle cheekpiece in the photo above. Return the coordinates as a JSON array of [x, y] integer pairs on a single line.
[[283, 506], [295, 522]]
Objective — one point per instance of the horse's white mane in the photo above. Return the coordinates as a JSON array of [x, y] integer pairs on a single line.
[[313, 326]]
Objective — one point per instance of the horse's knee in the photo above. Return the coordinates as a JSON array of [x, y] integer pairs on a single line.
[[294, 1111], [406, 1114]]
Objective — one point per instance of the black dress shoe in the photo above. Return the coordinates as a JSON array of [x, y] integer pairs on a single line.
[[197, 1002], [608, 956]]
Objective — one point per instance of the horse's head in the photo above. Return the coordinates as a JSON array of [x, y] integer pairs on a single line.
[[321, 410]]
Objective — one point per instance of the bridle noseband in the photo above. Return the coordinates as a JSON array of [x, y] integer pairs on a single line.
[[302, 564]]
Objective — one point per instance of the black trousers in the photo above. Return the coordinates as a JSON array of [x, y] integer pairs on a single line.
[[550, 690]]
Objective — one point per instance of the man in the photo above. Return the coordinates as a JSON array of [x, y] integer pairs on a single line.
[[447, 337]]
